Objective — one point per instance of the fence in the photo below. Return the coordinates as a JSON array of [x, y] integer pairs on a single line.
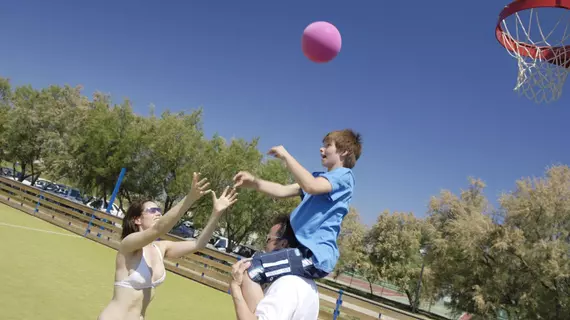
[[207, 266]]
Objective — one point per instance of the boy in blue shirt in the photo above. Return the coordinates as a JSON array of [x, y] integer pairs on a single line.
[[316, 221]]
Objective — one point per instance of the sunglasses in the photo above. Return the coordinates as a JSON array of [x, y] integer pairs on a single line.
[[269, 238], [154, 210]]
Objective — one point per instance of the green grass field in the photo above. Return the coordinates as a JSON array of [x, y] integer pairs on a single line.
[[49, 273]]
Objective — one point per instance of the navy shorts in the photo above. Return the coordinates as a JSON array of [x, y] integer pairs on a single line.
[[268, 267]]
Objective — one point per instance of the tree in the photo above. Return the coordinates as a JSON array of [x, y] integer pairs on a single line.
[[369, 270], [520, 266], [60, 110], [20, 131], [254, 211], [176, 150], [97, 146], [461, 253], [145, 175], [350, 243], [395, 242], [537, 242], [5, 109]]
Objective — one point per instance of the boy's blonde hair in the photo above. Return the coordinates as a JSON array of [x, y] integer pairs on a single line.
[[346, 141]]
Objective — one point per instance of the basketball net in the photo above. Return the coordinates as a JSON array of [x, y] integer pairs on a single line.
[[539, 79]]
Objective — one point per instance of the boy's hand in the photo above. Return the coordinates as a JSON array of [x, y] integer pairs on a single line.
[[278, 152], [225, 200], [199, 187], [244, 179]]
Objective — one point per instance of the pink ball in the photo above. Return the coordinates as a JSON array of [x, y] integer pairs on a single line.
[[321, 42]]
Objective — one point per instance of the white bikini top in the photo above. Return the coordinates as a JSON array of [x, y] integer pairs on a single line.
[[141, 278]]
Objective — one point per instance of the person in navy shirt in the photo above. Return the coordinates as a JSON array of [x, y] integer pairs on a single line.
[[316, 221]]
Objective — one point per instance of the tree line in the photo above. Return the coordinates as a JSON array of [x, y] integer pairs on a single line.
[[57, 132], [485, 260]]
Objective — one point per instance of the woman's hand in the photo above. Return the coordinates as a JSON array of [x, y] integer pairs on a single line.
[[225, 200], [199, 187]]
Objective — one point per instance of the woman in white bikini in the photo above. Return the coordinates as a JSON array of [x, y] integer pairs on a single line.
[[139, 263]]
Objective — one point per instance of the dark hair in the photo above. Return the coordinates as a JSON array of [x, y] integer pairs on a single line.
[[285, 231], [346, 141], [135, 210]]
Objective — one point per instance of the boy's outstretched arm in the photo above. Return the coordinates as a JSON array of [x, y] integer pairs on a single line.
[[304, 178], [247, 180]]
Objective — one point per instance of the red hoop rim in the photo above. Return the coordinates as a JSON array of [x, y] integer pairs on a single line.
[[525, 49]]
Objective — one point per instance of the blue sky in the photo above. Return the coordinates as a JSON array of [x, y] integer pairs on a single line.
[[427, 85]]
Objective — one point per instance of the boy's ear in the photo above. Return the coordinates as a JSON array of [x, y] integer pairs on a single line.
[[344, 154]]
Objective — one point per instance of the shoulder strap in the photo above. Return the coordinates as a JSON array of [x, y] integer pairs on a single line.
[[159, 252]]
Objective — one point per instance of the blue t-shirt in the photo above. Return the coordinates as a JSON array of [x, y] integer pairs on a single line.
[[316, 220]]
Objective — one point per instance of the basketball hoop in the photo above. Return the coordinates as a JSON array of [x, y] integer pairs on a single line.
[[543, 56]]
